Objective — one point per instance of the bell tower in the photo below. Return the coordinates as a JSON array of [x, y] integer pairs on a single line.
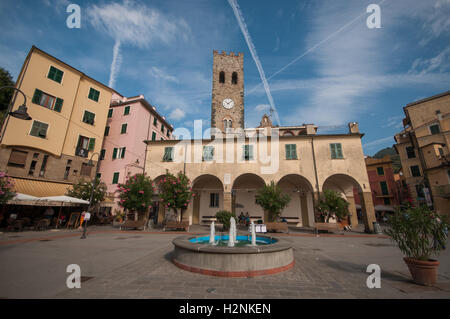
[[227, 107]]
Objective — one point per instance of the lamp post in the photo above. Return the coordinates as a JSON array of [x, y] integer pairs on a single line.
[[21, 113], [90, 163]]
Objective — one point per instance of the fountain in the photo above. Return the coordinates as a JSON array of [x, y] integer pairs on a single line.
[[253, 233], [233, 255], [232, 236], [212, 235]]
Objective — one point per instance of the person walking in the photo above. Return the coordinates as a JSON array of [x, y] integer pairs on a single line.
[[86, 217]]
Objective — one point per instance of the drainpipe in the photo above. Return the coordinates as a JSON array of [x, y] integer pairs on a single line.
[[315, 169]]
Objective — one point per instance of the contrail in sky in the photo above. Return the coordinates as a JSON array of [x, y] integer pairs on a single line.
[[238, 14], [115, 65]]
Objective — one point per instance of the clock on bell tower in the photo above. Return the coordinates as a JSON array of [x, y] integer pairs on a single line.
[[227, 107]]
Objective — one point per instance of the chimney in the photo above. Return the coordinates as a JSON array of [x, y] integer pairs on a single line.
[[353, 128]]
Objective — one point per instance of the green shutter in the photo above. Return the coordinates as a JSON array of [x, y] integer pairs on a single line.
[[155, 121], [37, 96], [168, 154], [52, 73], [115, 178], [58, 104], [123, 152], [59, 75], [333, 150], [94, 94], [39, 129], [126, 111], [153, 136], [91, 144], [380, 170], [294, 151], [114, 155], [106, 130], [250, 152], [384, 188], [124, 129], [110, 113], [339, 150], [102, 154], [288, 151]]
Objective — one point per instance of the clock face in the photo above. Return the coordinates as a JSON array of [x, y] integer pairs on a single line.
[[228, 103]]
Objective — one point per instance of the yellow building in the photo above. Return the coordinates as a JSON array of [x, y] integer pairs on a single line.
[[69, 111], [227, 170], [424, 151]]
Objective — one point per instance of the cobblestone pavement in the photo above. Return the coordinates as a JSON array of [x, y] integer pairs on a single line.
[[137, 264]]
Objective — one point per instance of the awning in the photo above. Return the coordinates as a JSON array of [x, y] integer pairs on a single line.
[[39, 188], [64, 199]]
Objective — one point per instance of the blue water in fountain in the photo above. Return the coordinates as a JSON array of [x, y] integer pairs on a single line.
[[222, 240]]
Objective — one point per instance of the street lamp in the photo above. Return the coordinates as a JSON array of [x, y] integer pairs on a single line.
[[21, 113], [90, 163]]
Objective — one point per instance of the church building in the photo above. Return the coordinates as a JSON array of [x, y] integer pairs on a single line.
[[228, 166]]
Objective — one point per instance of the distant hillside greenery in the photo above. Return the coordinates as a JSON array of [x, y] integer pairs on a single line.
[[396, 164]]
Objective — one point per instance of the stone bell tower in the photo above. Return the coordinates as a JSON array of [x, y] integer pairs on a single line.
[[227, 107]]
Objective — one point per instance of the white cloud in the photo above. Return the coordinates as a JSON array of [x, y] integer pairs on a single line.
[[262, 108], [160, 74], [439, 63], [136, 24], [177, 114]]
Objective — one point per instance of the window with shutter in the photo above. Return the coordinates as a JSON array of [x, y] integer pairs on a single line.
[[291, 151], [384, 188], [380, 170], [115, 178], [124, 129], [110, 113], [58, 105], [85, 169], [37, 96], [155, 122], [17, 158], [248, 152], [435, 129], [114, 155], [102, 154], [91, 144], [55, 74], [153, 136], [126, 111], [415, 171], [336, 150], [214, 200], [88, 117], [39, 129], [94, 94], [208, 153], [168, 154], [106, 130]]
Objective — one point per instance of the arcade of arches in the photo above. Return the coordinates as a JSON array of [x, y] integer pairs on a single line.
[[239, 196]]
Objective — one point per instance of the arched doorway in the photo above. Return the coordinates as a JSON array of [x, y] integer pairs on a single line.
[[344, 184], [301, 205], [244, 192], [209, 197]]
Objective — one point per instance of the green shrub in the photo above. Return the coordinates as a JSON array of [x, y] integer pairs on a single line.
[[272, 200], [223, 217], [333, 205], [418, 232]]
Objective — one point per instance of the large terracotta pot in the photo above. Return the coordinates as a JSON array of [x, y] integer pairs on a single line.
[[423, 272]]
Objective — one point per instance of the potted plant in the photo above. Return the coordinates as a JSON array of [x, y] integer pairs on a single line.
[[420, 234], [223, 217], [272, 200]]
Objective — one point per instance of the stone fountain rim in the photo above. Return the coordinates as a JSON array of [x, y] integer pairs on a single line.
[[183, 242]]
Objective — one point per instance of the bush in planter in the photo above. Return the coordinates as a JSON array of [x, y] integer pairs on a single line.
[[420, 234], [223, 217], [271, 199]]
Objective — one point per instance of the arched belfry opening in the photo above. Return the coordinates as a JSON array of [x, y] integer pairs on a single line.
[[234, 78]]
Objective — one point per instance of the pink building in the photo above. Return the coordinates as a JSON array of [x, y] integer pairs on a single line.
[[130, 122]]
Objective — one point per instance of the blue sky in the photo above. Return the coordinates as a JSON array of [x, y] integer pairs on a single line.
[[342, 70]]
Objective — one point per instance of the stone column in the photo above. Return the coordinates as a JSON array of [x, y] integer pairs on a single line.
[[352, 210], [368, 211], [227, 201], [187, 214]]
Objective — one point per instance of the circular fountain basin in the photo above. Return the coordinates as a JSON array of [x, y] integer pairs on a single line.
[[269, 256]]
